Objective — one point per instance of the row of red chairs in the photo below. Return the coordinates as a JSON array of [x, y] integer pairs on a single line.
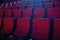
[[37, 5], [41, 27], [27, 13], [56, 0]]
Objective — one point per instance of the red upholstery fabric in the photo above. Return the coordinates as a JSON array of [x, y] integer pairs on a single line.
[[1, 13], [54, 13], [27, 13], [23, 25], [56, 35], [39, 13], [17, 13], [8, 13], [8, 25], [48, 5], [41, 28], [38, 5]]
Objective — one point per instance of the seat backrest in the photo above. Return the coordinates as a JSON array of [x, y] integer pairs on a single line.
[[49, 5], [30, 6], [27, 13], [1, 13], [57, 4], [8, 25], [56, 35], [38, 5], [17, 13], [39, 13], [41, 28], [22, 26], [54, 12], [8, 13]]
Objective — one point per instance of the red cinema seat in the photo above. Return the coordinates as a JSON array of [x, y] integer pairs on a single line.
[[40, 28], [23, 25], [8, 13], [57, 4], [56, 35], [14, 6], [27, 13], [55, 0], [53, 12], [48, 5], [17, 13], [39, 13], [9, 7], [38, 5], [1, 13], [30, 6], [21, 6], [8, 25]]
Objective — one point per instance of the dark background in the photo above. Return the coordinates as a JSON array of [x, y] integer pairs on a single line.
[[1, 1]]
